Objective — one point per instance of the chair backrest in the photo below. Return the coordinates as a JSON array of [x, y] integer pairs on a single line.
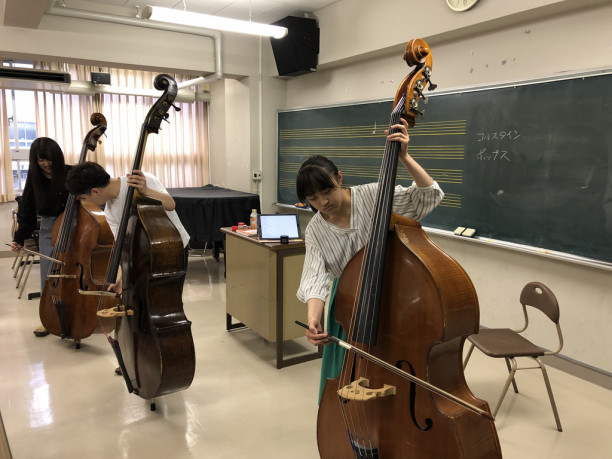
[[539, 296]]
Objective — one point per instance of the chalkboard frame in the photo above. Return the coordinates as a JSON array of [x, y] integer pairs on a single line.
[[570, 255]]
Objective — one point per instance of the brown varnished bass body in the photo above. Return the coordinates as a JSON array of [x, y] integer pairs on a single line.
[[86, 258], [430, 307], [156, 342]]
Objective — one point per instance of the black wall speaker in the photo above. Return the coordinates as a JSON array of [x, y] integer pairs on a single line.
[[100, 78], [297, 52]]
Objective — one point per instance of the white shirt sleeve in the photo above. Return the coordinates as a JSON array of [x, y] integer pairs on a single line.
[[316, 281], [415, 202]]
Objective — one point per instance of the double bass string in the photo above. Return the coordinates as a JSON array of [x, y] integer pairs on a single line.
[[370, 286]]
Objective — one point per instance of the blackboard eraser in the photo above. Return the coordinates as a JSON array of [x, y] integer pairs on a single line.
[[469, 232], [459, 230]]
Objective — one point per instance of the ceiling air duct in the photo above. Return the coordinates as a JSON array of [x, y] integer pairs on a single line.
[[30, 79]]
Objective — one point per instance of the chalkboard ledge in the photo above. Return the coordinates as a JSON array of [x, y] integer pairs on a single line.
[[524, 248], [290, 206]]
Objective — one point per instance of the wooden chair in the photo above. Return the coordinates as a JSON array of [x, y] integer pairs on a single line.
[[509, 344]]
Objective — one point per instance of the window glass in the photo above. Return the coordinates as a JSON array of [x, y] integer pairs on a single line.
[[20, 174], [22, 119], [22, 128]]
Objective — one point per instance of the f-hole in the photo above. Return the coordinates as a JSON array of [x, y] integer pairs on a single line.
[[428, 421], [81, 274]]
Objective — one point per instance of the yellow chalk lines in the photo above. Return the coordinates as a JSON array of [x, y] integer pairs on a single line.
[[455, 127], [349, 170], [418, 152]]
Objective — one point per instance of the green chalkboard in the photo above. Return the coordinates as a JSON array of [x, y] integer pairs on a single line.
[[529, 164]]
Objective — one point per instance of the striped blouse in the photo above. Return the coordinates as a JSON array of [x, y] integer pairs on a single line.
[[329, 248]]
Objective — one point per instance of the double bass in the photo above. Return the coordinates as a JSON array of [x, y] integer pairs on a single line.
[[405, 303], [82, 243], [153, 342]]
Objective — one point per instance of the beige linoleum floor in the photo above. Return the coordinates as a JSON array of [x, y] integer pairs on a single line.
[[60, 402]]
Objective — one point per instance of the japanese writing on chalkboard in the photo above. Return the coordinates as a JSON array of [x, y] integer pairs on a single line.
[[493, 151], [492, 155], [499, 135]]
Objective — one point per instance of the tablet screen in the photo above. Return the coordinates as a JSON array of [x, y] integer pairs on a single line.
[[273, 226]]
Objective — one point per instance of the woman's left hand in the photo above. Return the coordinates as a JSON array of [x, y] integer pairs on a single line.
[[400, 135]]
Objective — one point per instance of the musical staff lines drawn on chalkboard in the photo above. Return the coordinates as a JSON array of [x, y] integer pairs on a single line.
[[350, 170], [440, 175], [454, 127], [451, 200], [441, 152]]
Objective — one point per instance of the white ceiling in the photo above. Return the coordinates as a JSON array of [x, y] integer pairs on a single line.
[[265, 11]]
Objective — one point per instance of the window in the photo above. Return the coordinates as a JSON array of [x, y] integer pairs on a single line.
[[22, 129], [20, 173]]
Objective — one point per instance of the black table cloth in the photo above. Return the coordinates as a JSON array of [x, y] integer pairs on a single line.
[[205, 210]]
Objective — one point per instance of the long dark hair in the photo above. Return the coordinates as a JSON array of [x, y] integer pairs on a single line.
[[46, 148], [315, 175]]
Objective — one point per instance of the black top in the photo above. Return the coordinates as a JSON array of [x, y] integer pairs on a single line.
[[29, 208]]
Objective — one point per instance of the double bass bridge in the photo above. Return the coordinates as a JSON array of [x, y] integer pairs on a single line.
[[360, 391], [117, 311]]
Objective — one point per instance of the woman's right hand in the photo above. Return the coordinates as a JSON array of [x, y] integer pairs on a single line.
[[15, 247], [315, 335]]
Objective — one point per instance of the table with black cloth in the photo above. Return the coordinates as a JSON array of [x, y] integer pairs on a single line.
[[205, 210]]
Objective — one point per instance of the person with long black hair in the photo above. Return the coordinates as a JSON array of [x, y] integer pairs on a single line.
[[44, 196]]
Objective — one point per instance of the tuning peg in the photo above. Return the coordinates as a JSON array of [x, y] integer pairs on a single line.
[[176, 107], [418, 90], [165, 118], [427, 76], [414, 106]]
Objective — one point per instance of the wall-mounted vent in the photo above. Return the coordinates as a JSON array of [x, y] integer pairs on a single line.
[[29, 79]]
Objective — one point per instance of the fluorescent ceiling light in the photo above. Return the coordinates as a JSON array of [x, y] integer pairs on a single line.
[[206, 21]]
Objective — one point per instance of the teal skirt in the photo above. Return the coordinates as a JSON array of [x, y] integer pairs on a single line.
[[333, 354]]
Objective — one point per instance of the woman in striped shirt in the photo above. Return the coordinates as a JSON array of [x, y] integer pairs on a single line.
[[341, 227]]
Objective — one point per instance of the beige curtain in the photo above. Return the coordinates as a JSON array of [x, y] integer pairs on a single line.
[[7, 191], [177, 155]]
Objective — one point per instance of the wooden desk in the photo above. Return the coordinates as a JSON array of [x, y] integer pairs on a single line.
[[261, 282]]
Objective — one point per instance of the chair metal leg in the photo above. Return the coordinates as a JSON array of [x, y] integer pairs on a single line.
[[19, 265], [31, 262], [467, 357], [509, 370], [14, 262], [505, 389], [550, 394], [23, 267]]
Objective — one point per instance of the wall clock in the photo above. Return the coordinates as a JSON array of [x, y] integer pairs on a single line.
[[461, 5]]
